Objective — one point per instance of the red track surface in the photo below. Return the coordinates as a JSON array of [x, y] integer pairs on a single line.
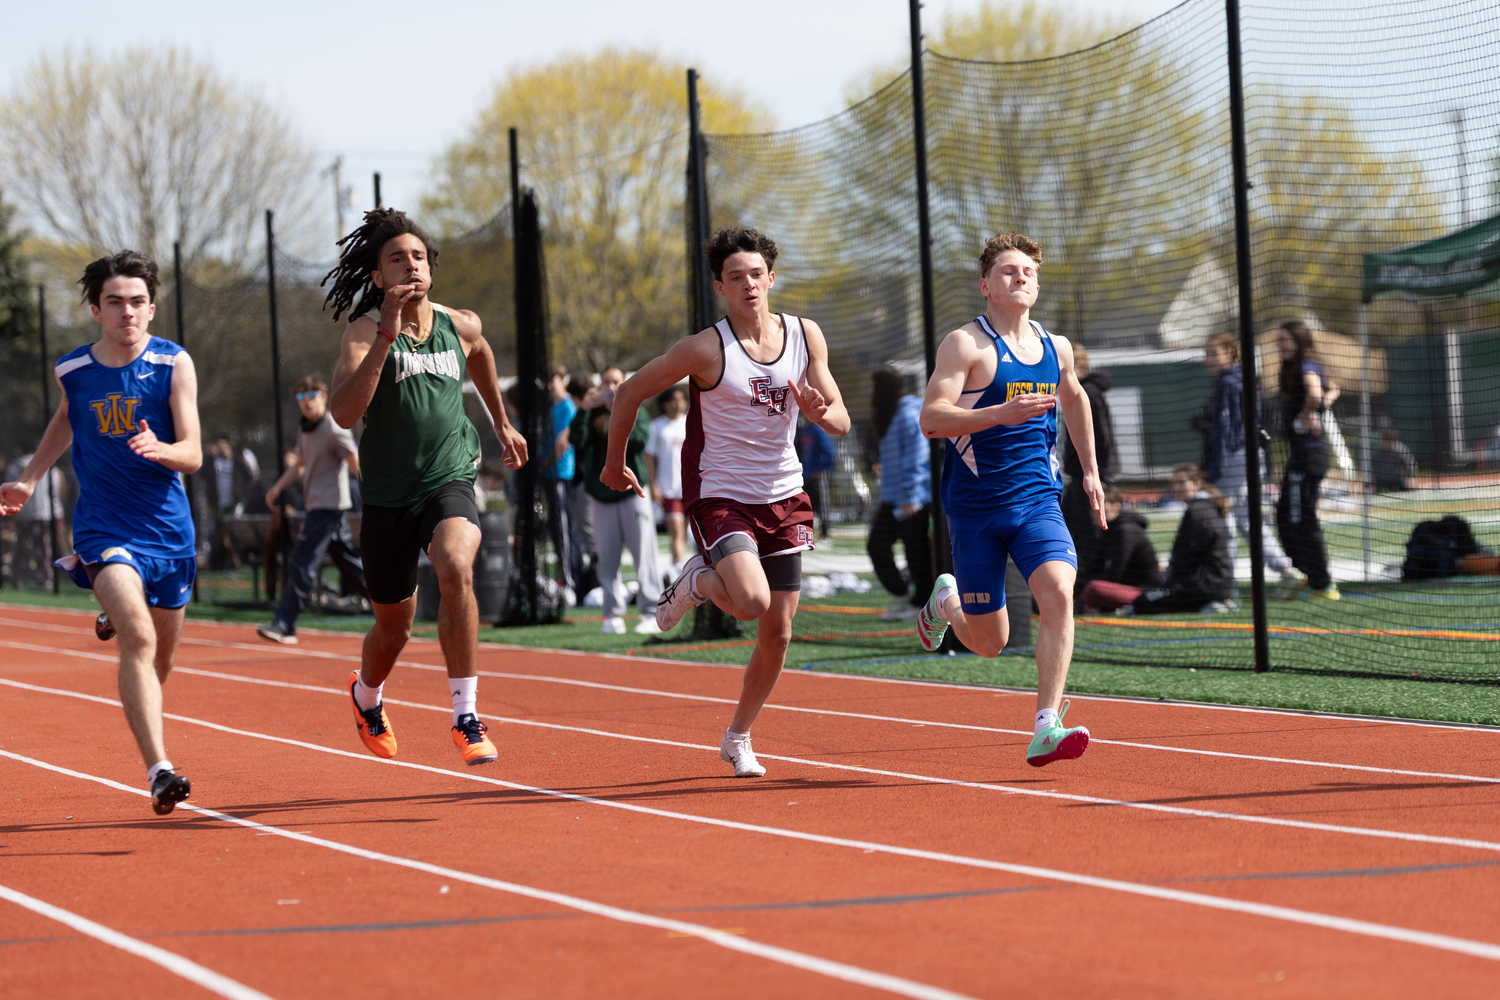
[[903, 846]]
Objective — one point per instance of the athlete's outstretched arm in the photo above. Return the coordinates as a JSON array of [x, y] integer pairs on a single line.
[[819, 396], [692, 357], [186, 453], [1080, 419], [943, 417], [480, 365], [55, 441]]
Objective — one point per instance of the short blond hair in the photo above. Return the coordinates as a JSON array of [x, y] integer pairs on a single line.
[[1001, 242]]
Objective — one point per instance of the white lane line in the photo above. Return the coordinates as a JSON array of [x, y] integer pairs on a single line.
[[539, 678], [1478, 949], [1295, 824], [859, 678], [191, 971], [785, 956], [1358, 831]]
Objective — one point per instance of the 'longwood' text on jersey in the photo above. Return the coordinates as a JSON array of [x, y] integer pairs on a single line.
[[741, 430], [1007, 466]]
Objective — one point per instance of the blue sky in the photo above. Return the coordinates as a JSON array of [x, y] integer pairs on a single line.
[[388, 85]]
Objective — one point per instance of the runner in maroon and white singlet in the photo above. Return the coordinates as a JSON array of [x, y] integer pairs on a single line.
[[751, 374]]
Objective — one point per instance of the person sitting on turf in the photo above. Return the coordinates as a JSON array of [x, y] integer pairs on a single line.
[[1125, 566], [1199, 575]]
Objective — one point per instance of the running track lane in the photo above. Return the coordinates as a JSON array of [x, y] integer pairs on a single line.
[[318, 722]]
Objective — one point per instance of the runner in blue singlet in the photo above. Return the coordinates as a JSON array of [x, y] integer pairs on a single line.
[[130, 411], [993, 396]]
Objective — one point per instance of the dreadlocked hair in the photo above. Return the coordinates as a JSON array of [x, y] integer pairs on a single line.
[[359, 256]]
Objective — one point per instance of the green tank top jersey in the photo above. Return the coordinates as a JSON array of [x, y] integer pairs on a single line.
[[417, 436]]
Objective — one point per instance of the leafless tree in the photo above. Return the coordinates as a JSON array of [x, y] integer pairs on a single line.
[[148, 146]]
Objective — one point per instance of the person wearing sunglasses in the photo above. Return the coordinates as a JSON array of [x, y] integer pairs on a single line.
[[326, 454]]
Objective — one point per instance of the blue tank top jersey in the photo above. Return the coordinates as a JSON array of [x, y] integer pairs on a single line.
[[124, 499], [1010, 466]]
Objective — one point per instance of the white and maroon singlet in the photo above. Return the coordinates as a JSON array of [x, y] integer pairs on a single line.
[[740, 431]]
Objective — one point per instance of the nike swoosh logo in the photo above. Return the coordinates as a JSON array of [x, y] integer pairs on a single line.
[[145, 375]]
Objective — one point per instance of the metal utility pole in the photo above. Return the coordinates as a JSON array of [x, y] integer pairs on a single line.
[[1250, 400], [52, 500], [338, 197], [377, 190], [1457, 118], [275, 341]]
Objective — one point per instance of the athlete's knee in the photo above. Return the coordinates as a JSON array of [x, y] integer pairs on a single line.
[[454, 577], [748, 607]]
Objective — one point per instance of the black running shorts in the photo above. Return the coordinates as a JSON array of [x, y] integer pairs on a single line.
[[391, 537]]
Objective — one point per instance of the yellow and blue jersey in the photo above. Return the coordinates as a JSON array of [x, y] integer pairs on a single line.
[[123, 499], [1007, 466]]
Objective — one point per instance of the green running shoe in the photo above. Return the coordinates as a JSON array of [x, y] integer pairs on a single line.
[[1057, 743], [931, 625]]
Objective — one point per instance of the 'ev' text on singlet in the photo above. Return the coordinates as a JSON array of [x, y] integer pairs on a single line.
[[124, 499], [1006, 466], [741, 430]]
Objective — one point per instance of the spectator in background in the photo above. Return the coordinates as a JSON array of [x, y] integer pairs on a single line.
[[1199, 575], [1489, 451], [31, 558], [816, 448], [229, 481], [1226, 451], [1126, 565], [1395, 465], [1077, 513], [905, 471], [664, 464], [1305, 393], [558, 464], [325, 458], [584, 548], [621, 518]]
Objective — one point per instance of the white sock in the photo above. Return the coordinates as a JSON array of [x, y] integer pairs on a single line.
[[366, 697], [942, 601], [730, 736], [693, 584], [465, 691], [1046, 719], [155, 769]]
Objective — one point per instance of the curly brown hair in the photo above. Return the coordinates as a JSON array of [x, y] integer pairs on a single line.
[[1001, 242], [727, 242]]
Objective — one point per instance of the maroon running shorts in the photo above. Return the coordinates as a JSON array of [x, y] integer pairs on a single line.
[[778, 528]]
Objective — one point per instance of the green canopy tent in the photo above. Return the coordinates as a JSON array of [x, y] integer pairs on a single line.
[[1463, 263]]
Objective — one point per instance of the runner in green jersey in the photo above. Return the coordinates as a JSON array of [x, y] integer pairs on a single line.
[[402, 366]]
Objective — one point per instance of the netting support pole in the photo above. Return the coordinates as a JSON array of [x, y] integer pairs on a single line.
[[187, 480], [1250, 401], [942, 555], [703, 288], [1364, 423], [276, 388], [377, 189], [52, 501]]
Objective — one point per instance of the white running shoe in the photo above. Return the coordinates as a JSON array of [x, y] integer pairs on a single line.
[[676, 599], [738, 753], [613, 626], [647, 626]]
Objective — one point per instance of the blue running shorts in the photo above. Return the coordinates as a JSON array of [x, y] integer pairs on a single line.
[[981, 543], [168, 582]]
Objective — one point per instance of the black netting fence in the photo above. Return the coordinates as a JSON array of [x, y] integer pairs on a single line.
[[226, 327], [1369, 128]]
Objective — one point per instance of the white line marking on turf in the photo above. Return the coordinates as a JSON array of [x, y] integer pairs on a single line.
[[861, 678], [785, 956], [540, 678], [1444, 942], [1360, 831], [191, 971]]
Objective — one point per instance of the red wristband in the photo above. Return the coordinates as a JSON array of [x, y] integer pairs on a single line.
[[386, 333]]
